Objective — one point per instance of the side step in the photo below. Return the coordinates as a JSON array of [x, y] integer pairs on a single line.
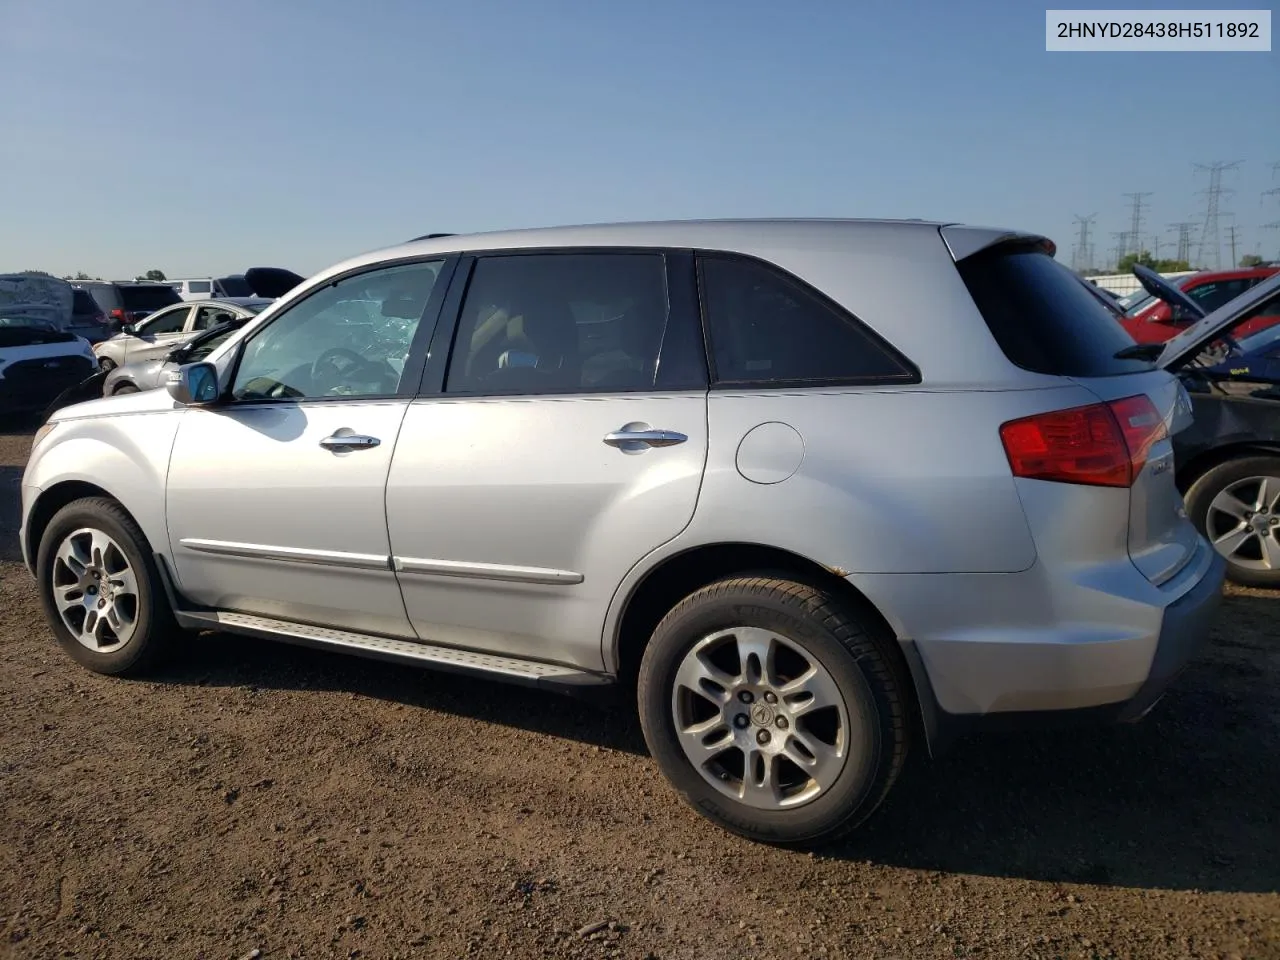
[[530, 673]]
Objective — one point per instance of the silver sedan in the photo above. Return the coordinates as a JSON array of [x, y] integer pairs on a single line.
[[150, 373], [166, 329]]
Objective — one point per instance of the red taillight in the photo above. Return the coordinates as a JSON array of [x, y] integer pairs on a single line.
[[1105, 444], [117, 314]]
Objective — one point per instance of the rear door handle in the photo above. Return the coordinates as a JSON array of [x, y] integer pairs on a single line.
[[349, 441], [638, 439]]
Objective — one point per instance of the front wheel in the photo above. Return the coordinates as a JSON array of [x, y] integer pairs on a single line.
[[124, 388], [100, 588], [774, 709], [106, 364], [1236, 505]]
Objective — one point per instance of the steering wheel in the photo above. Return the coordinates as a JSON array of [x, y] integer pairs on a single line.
[[329, 366]]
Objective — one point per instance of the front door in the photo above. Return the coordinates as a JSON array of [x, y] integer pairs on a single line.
[[558, 454], [276, 495], [157, 335]]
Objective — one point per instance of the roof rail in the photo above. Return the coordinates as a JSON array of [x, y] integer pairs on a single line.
[[433, 236]]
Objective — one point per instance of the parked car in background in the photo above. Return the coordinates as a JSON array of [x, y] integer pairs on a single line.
[[88, 319], [148, 374], [1149, 319], [162, 331], [127, 303], [811, 485], [212, 288], [39, 355]]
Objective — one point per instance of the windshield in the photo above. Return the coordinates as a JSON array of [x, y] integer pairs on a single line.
[[35, 323]]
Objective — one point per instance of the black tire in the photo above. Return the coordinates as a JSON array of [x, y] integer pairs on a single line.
[[106, 365], [1213, 482], [124, 388], [853, 653], [154, 625]]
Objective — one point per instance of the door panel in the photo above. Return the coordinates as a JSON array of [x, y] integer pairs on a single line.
[[513, 521], [264, 519]]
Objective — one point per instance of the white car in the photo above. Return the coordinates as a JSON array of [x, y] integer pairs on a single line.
[[39, 358]]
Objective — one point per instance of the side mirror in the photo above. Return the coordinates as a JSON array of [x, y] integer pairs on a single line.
[[1180, 314], [129, 328], [193, 385]]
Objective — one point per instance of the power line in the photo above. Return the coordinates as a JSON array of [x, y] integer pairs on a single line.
[[1083, 257], [1273, 225], [1209, 232], [1135, 223], [1232, 236]]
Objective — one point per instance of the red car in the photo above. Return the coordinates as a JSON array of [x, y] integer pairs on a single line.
[[1150, 320]]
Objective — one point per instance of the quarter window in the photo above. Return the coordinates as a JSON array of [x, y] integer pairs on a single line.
[[766, 328], [348, 339], [561, 323], [207, 317]]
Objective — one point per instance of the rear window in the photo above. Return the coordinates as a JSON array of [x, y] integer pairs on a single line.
[[199, 286], [235, 287], [1043, 318], [149, 297], [83, 303]]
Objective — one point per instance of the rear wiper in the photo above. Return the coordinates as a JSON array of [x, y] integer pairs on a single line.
[[1140, 351]]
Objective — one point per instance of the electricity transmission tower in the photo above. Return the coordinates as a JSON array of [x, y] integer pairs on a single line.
[[1083, 259], [1209, 236], [1184, 239], [1122, 245], [1135, 224]]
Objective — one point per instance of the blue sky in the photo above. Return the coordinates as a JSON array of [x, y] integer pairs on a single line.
[[203, 137]]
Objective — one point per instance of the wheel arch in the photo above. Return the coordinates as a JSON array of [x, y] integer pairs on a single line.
[[50, 501], [674, 577], [1206, 460]]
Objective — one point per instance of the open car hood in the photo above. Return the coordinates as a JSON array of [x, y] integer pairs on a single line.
[[1162, 289], [1190, 341], [271, 282], [35, 296]]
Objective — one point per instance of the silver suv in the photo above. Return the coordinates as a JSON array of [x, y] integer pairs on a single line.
[[812, 488]]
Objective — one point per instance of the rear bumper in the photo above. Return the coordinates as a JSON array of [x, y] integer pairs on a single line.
[[1039, 648]]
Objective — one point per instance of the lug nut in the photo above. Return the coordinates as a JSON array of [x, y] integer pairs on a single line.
[[762, 737], [101, 604], [745, 696], [770, 697], [782, 723], [741, 720]]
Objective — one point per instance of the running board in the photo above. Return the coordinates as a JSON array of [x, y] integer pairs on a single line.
[[530, 673]]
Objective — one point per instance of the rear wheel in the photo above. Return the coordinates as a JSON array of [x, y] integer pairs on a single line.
[[100, 588], [773, 709], [1236, 505]]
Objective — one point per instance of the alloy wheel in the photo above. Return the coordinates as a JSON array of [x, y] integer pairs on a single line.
[[95, 590], [1244, 520]]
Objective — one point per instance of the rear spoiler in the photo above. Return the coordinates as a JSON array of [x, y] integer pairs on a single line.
[[965, 241]]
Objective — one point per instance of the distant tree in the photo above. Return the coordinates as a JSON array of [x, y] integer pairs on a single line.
[[1250, 260], [1145, 258], [36, 273], [157, 275], [81, 275]]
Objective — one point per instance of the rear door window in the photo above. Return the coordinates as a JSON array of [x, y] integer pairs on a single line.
[[1042, 317], [173, 321]]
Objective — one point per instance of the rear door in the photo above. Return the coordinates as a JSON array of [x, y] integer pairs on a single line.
[[1047, 322], [565, 442]]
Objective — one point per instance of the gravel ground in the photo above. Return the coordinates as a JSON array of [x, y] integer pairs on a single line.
[[262, 800]]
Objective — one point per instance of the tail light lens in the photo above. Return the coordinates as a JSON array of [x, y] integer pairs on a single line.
[[1103, 444]]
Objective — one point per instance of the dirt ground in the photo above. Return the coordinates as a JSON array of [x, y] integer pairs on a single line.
[[260, 800]]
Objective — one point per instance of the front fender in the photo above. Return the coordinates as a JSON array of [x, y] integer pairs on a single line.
[[126, 456]]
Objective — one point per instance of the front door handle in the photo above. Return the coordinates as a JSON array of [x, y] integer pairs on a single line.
[[349, 441], [635, 437]]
